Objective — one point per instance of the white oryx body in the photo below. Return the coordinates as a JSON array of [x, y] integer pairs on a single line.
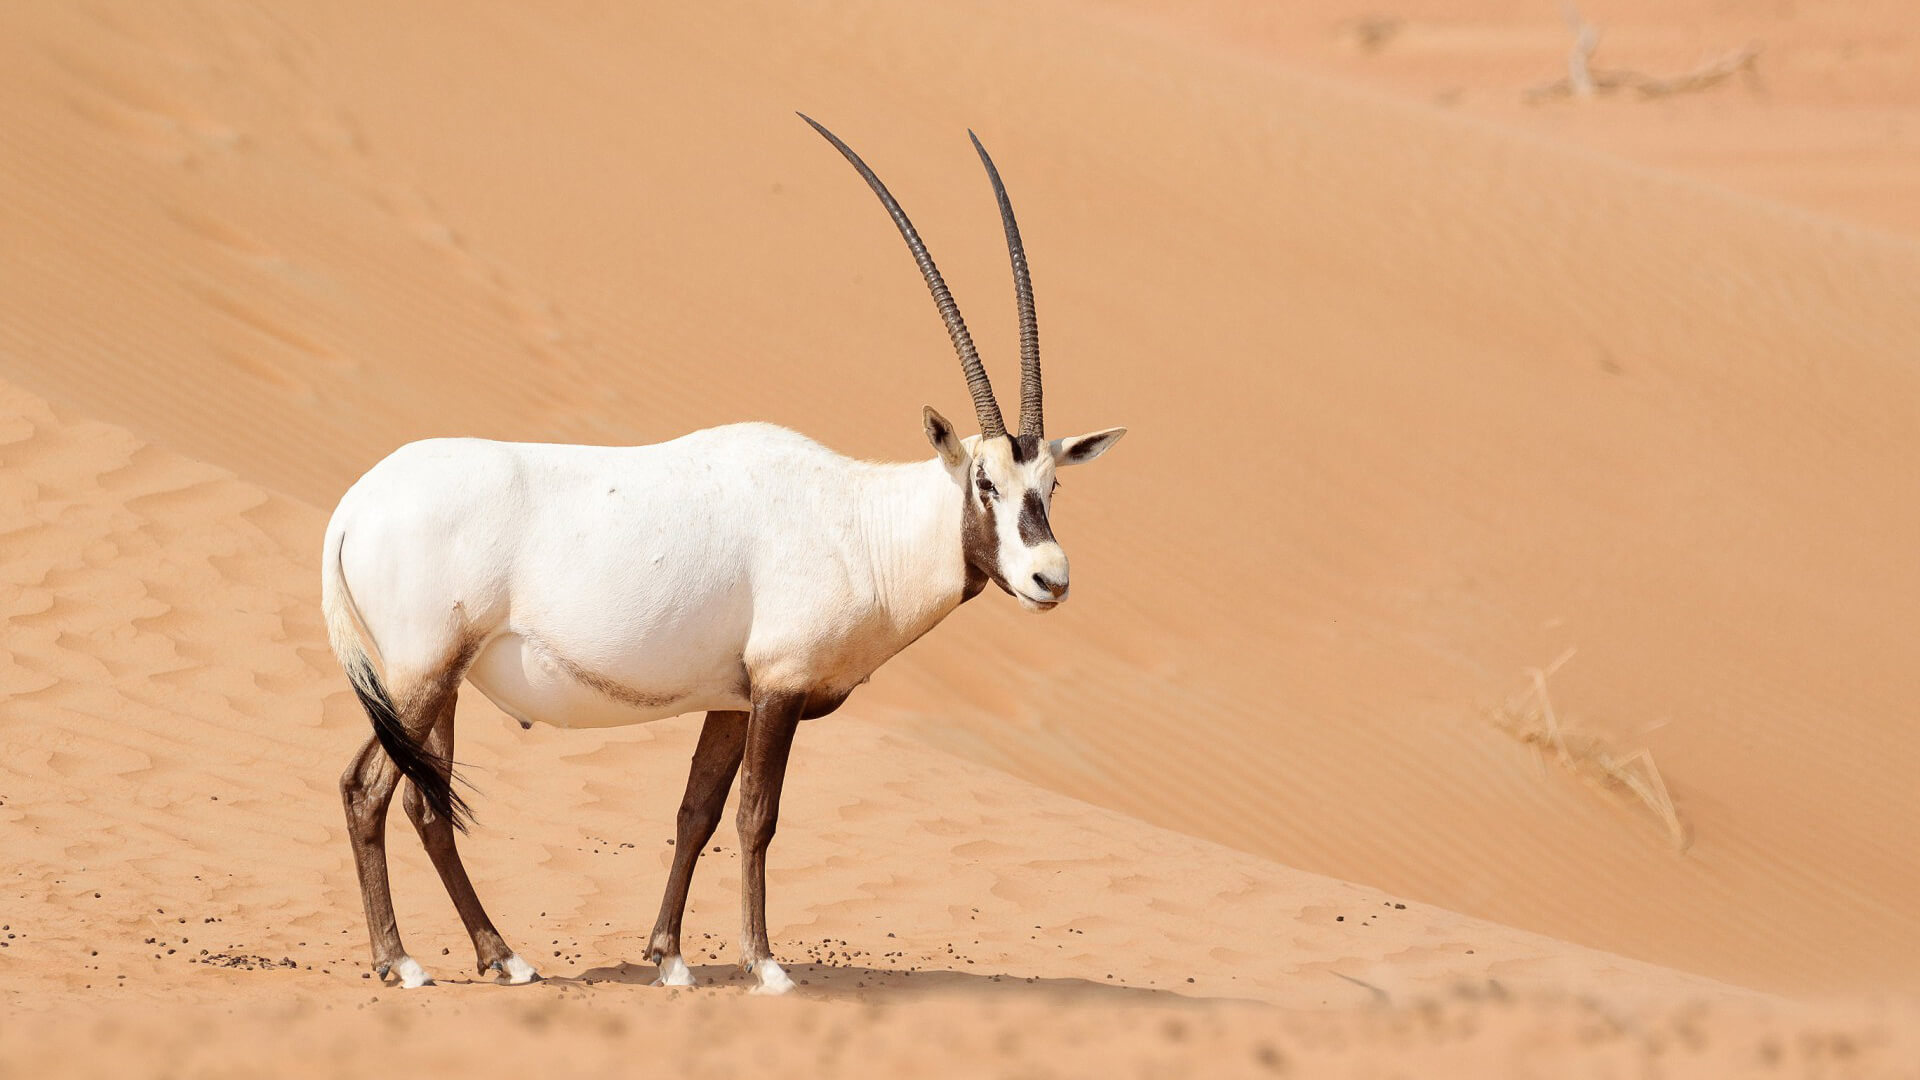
[[601, 586], [745, 571]]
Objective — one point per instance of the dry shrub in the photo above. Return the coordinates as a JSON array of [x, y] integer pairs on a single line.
[[1528, 715]]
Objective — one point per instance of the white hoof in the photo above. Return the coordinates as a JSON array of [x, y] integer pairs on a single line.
[[516, 971], [674, 972], [773, 979], [410, 973]]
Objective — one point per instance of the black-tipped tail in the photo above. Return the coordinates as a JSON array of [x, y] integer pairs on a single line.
[[428, 772]]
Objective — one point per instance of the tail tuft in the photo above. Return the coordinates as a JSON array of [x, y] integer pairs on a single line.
[[428, 772]]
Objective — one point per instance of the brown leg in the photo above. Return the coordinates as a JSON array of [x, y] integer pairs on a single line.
[[769, 739], [436, 835], [366, 788], [715, 760]]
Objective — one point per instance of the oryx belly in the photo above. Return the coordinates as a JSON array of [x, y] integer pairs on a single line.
[[534, 683]]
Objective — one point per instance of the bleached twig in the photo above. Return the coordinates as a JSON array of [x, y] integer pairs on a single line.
[[1709, 74], [1546, 703], [1586, 38], [1583, 81]]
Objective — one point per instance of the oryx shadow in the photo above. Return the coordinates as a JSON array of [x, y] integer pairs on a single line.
[[854, 982]]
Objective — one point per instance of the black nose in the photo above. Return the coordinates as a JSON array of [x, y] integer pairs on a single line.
[[1055, 589]]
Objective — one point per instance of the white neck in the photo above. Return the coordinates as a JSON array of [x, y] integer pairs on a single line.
[[909, 518]]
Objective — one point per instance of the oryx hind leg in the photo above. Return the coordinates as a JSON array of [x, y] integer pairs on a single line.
[[436, 835], [715, 761], [366, 789], [404, 709]]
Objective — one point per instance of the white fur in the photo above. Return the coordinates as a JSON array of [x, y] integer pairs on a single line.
[[1020, 562], [674, 972], [516, 971], [773, 978], [410, 973]]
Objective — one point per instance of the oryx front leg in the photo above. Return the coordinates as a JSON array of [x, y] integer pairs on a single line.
[[715, 761], [769, 739]]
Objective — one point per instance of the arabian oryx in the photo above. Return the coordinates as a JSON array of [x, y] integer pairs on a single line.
[[744, 570]]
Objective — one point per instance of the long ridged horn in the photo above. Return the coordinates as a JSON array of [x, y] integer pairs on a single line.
[[984, 406], [1031, 421]]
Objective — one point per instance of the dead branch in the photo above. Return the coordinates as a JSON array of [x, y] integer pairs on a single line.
[[1586, 38], [1706, 75], [1583, 81]]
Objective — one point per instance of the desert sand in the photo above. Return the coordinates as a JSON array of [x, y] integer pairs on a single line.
[[1429, 390]]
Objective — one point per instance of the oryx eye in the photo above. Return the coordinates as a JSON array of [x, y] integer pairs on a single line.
[[986, 485]]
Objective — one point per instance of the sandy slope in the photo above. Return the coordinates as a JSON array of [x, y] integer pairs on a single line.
[[1827, 117], [177, 881], [1417, 402]]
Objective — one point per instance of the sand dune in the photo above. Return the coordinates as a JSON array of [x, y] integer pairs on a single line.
[[1824, 118], [175, 845], [1420, 399]]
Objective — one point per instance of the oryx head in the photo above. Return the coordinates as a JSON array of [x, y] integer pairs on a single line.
[[1006, 480]]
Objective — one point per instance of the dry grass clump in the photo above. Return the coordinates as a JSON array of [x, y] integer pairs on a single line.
[[1528, 715]]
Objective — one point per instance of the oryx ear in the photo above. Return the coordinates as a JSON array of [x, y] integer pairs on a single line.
[[1078, 448], [944, 439]]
